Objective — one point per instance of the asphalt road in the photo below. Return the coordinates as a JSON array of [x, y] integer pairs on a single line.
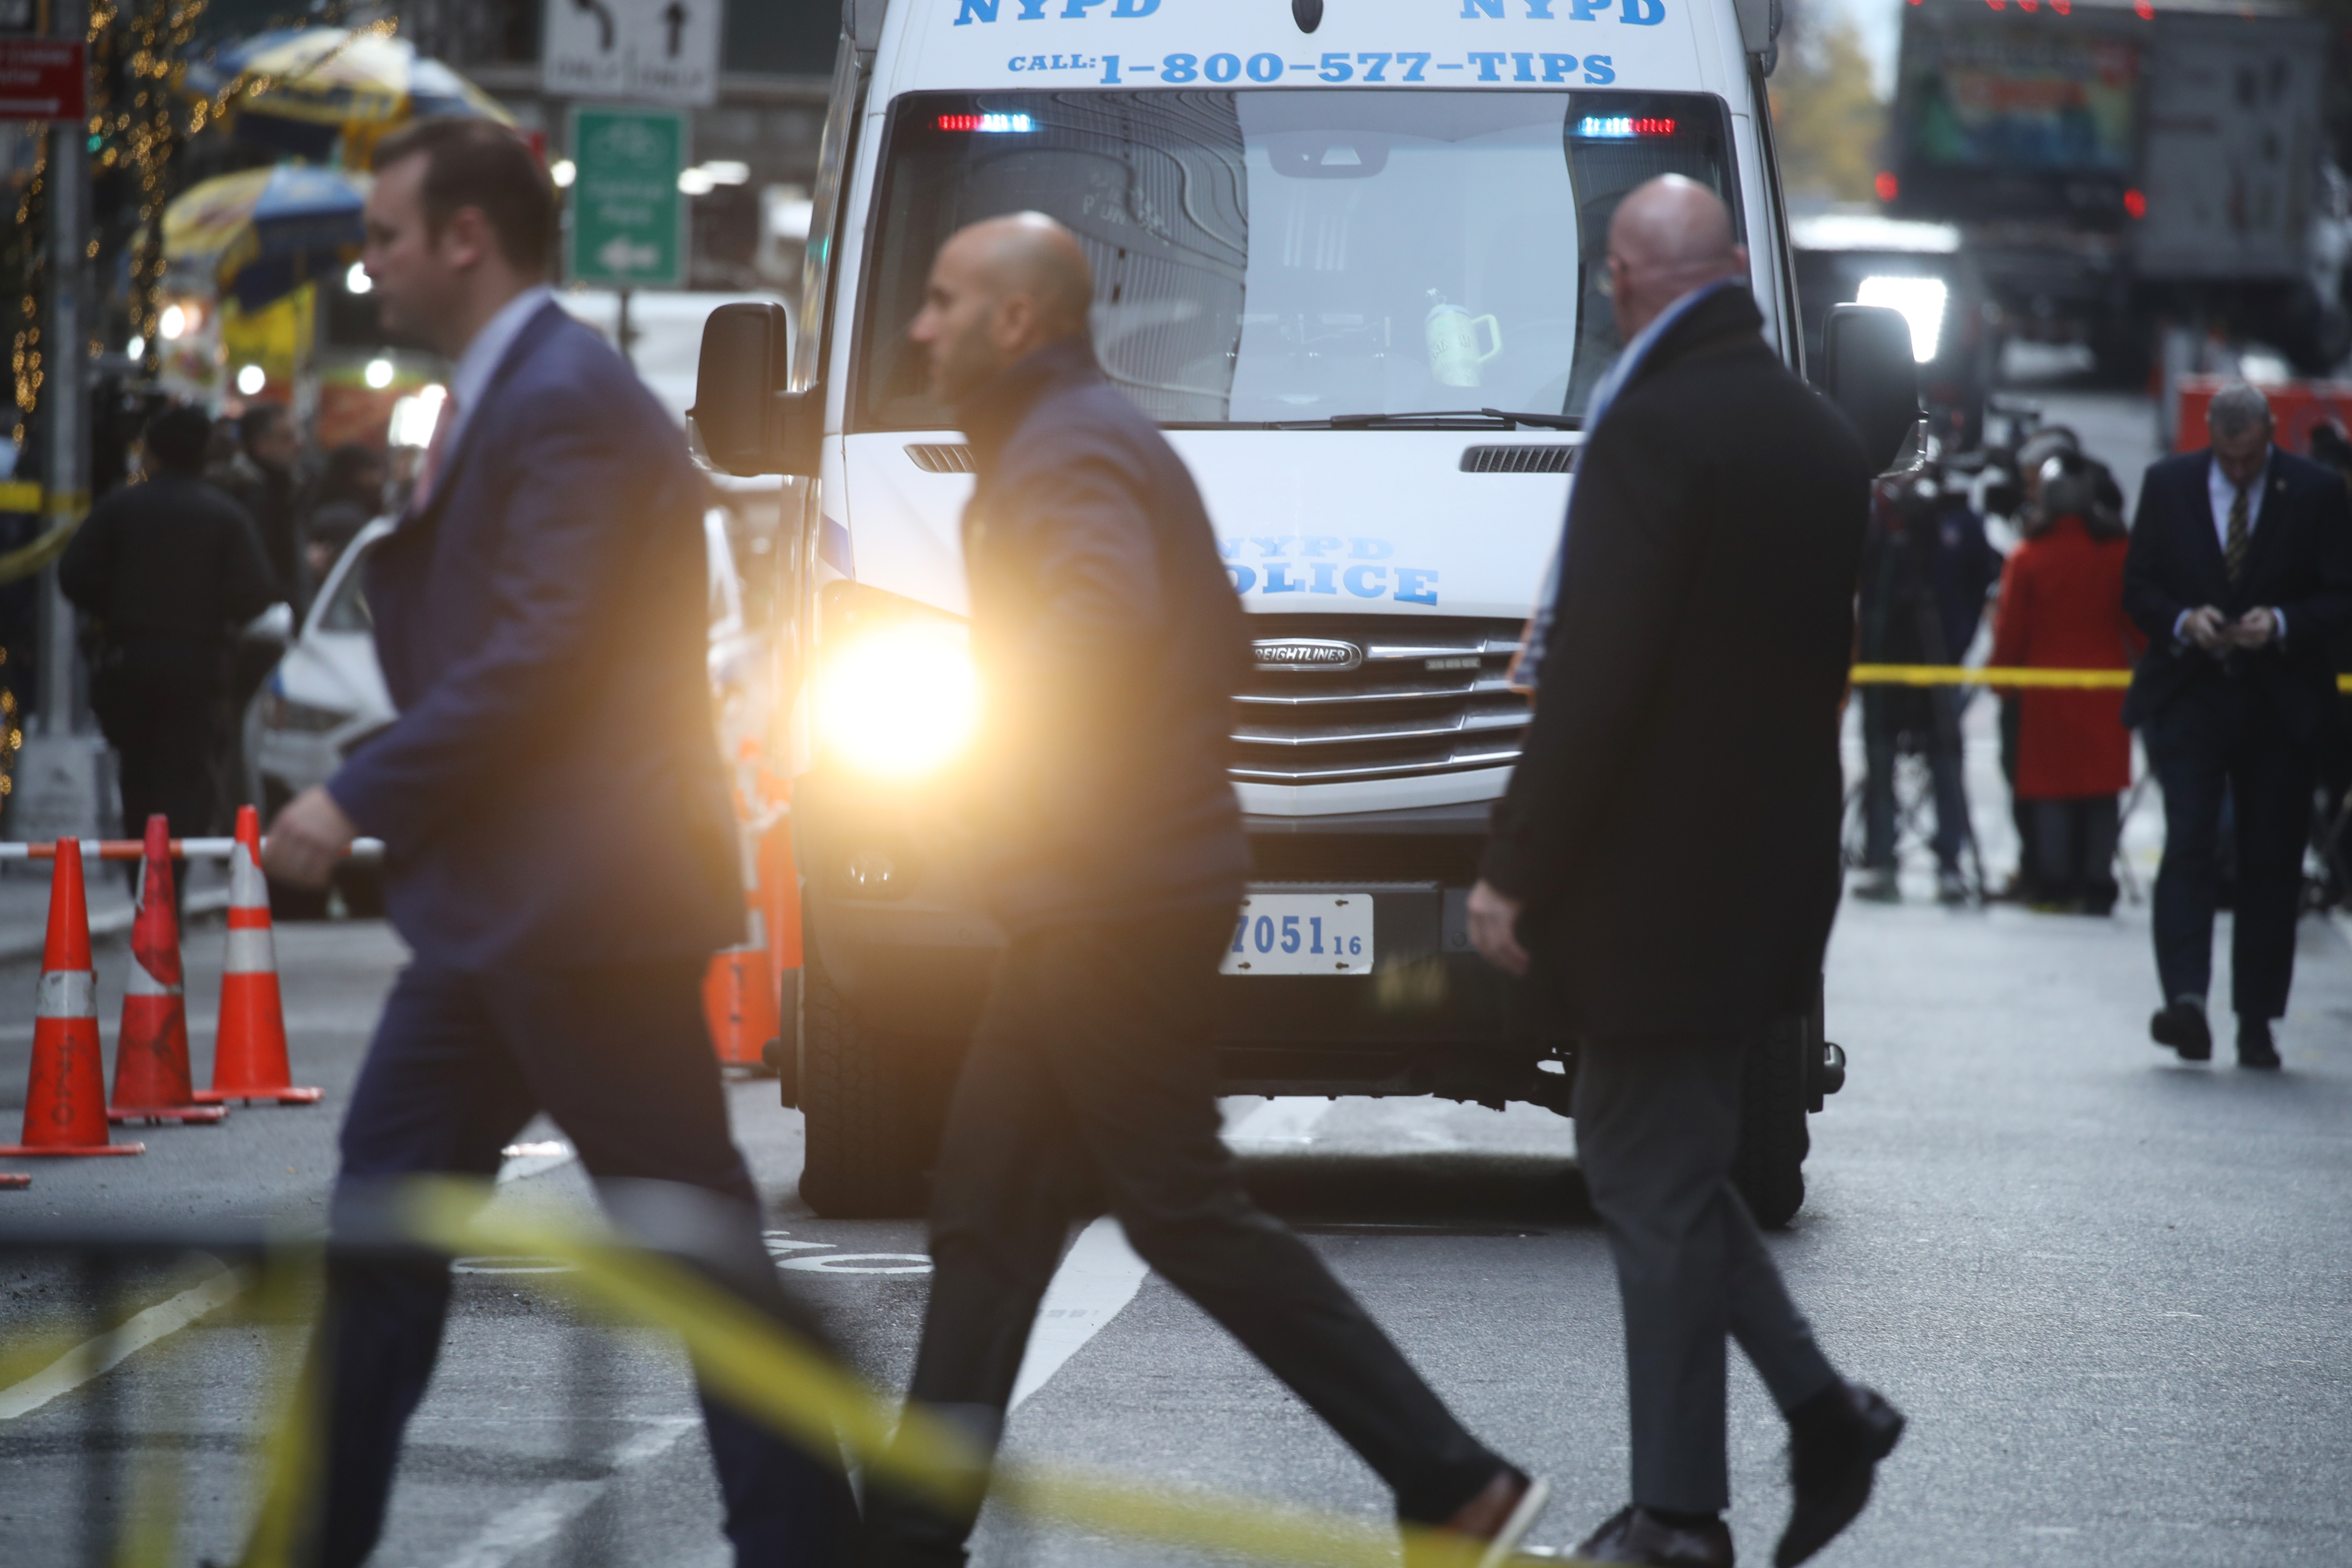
[[2110, 1289]]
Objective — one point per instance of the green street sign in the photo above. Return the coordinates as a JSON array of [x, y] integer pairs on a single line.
[[629, 218]]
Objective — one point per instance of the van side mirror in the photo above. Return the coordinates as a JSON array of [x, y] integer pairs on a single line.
[[746, 422], [1868, 370]]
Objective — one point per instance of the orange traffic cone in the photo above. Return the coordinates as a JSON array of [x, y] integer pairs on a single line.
[[65, 1100], [151, 1049], [739, 989], [250, 1053]]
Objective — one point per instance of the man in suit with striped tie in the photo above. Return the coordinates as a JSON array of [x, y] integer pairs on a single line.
[[2240, 571]]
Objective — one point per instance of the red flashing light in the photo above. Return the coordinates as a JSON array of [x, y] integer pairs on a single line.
[[2135, 204], [1653, 128], [2064, 7], [2146, 9], [1886, 185], [2029, 5], [998, 122], [1997, 4]]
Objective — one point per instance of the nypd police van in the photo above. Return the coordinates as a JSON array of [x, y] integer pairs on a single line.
[[1351, 257]]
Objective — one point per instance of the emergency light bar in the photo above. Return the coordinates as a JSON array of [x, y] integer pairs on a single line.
[[984, 122], [1621, 127]]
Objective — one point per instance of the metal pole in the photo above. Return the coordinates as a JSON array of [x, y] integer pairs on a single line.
[[621, 332], [65, 391]]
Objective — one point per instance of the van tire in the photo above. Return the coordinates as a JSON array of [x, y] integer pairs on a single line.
[[866, 1146], [1769, 1167]]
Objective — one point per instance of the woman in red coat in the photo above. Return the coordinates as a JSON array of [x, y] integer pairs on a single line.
[[2062, 607]]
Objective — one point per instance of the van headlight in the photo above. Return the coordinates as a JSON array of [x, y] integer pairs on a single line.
[[898, 695]]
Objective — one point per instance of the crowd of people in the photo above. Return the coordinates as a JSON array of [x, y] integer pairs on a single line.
[[225, 519], [2228, 598], [554, 504]]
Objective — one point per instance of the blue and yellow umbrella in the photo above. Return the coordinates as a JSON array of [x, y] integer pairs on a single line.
[[302, 90], [266, 232]]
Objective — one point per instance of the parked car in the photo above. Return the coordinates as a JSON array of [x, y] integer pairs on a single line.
[[328, 695]]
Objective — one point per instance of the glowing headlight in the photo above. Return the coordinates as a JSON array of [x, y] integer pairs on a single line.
[[1921, 301], [902, 698]]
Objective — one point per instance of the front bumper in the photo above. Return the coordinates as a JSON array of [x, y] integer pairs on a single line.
[[895, 921]]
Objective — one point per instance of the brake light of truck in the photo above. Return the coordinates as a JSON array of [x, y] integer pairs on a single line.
[[2135, 204], [1622, 127], [1016, 123]]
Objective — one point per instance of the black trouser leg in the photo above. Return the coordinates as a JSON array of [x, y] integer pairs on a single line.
[[1878, 780], [2101, 820], [2021, 812], [2189, 743], [161, 710], [1657, 1123], [619, 1058], [2055, 873], [2271, 777], [435, 1098], [1946, 770], [1101, 1031]]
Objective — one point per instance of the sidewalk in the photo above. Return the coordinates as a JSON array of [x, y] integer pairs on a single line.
[[25, 902]]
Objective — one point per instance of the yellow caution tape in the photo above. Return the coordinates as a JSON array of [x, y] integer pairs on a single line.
[[763, 1371], [28, 559], [1991, 675], [2005, 675]]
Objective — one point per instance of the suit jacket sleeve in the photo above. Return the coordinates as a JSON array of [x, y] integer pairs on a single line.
[[1630, 550], [585, 502], [2327, 610], [2148, 600]]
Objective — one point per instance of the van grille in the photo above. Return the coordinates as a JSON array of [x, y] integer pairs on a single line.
[[954, 458], [1428, 697], [1549, 459]]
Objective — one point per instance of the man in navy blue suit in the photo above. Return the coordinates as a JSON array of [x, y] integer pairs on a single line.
[[2239, 572], [560, 851]]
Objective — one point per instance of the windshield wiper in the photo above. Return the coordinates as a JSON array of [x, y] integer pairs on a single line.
[[1445, 418]]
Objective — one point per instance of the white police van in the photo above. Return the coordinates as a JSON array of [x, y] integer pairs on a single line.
[[1351, 258]]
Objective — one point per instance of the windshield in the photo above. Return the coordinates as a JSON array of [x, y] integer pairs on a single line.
[[1271, 255]]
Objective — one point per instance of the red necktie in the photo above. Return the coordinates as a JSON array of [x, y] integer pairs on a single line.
[[428, 470]]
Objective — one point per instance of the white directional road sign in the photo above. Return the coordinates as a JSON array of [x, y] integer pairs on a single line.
[[628, 220], [649, 51]]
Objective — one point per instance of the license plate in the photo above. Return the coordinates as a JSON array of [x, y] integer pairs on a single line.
[[1302, 933]]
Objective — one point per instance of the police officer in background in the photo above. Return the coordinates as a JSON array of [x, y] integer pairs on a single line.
[[167, 568]]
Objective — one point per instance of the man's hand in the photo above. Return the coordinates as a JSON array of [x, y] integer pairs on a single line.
[[1494, 921], [2204, 626], [2255, 628], [308, 840]]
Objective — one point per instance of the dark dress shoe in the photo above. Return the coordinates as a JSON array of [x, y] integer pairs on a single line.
[[1634, 1534], [1835, 1441], [2254, 1047], [2183, 1028], [1485, 1530]]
